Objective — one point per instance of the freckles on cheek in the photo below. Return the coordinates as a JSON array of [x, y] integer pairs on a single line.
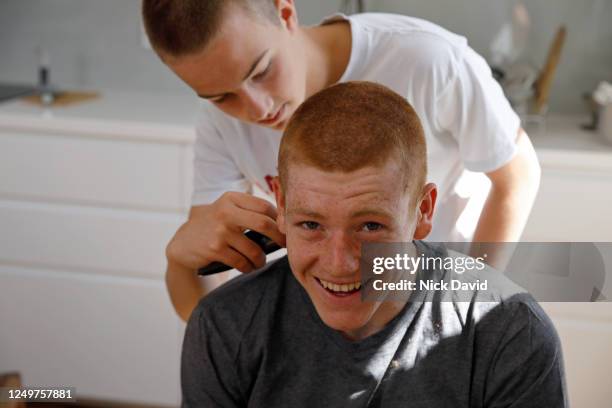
[[302, 253]]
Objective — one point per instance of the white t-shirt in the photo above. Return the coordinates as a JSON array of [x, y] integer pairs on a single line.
[[468, 122]]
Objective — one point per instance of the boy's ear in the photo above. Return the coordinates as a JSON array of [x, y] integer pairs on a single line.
[[425, 211], [279, 194], [287, 13]]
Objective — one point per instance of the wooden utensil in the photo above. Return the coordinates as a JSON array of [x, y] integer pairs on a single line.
[[544, 82]]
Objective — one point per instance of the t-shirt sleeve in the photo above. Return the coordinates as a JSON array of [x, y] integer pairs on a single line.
[[214, 169], [208, 377], [472, 107], [527, 367]]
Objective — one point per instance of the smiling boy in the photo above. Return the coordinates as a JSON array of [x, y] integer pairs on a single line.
[[298, 334], [254, 65]]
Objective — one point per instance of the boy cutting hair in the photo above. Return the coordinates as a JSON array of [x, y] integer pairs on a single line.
[[254, 65]]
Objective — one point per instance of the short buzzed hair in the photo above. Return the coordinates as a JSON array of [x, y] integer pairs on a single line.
[[353, 125], [183, 27]]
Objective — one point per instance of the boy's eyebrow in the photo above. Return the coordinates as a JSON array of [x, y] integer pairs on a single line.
[[248, 74], [371, 211], [356, 214], [304, 212]]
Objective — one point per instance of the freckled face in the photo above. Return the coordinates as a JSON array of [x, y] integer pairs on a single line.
[[326, 217], [253, 69]]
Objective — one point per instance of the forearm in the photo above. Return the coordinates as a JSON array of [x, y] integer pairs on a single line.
[[514, 188], [502, 220], [504, 215], [186, 288]]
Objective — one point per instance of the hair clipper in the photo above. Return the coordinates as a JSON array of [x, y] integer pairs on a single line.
[[265, 243]]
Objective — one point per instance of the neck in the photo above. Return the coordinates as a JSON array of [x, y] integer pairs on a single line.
[[327, 50]]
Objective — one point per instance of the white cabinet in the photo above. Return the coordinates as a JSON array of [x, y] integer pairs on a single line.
[[85, 215], [575, 204], [114, 339], [88, 170], [575, 198]]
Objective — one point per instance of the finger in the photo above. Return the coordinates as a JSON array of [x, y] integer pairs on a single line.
[[256, 204], [234, 259], [260, 223], [248, 249]]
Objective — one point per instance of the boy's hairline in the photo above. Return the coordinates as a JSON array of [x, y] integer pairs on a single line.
[[412, 187]]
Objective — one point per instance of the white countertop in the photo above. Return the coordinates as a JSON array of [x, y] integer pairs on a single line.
[[564, 132], [144, 116], [170, 118], [562, 143]]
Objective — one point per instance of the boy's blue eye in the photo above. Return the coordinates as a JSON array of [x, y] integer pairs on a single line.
[[372, 226], [310, 225]]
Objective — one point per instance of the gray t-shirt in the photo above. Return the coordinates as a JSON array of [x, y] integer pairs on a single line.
[[258, 342]]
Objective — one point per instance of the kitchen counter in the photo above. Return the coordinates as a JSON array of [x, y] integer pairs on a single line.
[[564, 132], [171, 117], [150, 116], [563, 143]]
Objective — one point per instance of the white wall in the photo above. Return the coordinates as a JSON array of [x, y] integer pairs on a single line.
[[96, 43], [93, 43]]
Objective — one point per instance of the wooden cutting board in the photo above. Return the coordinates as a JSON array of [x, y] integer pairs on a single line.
[[64, 98]]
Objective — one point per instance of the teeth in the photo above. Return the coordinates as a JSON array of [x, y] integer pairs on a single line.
[[347, 287]]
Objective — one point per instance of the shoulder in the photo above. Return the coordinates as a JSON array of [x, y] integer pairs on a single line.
[[487, 296], [243, 294], [232, 308], [517, 328], [423, 52], [521, 312], [518, 347], [420, 37]]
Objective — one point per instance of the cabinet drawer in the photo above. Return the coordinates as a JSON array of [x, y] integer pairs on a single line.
[[115, 339], [109, 241], [105, 172], [587, 355], [572, 206]]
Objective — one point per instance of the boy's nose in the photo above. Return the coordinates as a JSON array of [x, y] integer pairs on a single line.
[[344, 254], [258, 105]]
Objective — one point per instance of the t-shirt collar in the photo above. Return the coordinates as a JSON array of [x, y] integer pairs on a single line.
[[357, 43]]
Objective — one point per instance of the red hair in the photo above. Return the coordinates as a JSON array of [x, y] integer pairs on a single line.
[[353, 125]]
